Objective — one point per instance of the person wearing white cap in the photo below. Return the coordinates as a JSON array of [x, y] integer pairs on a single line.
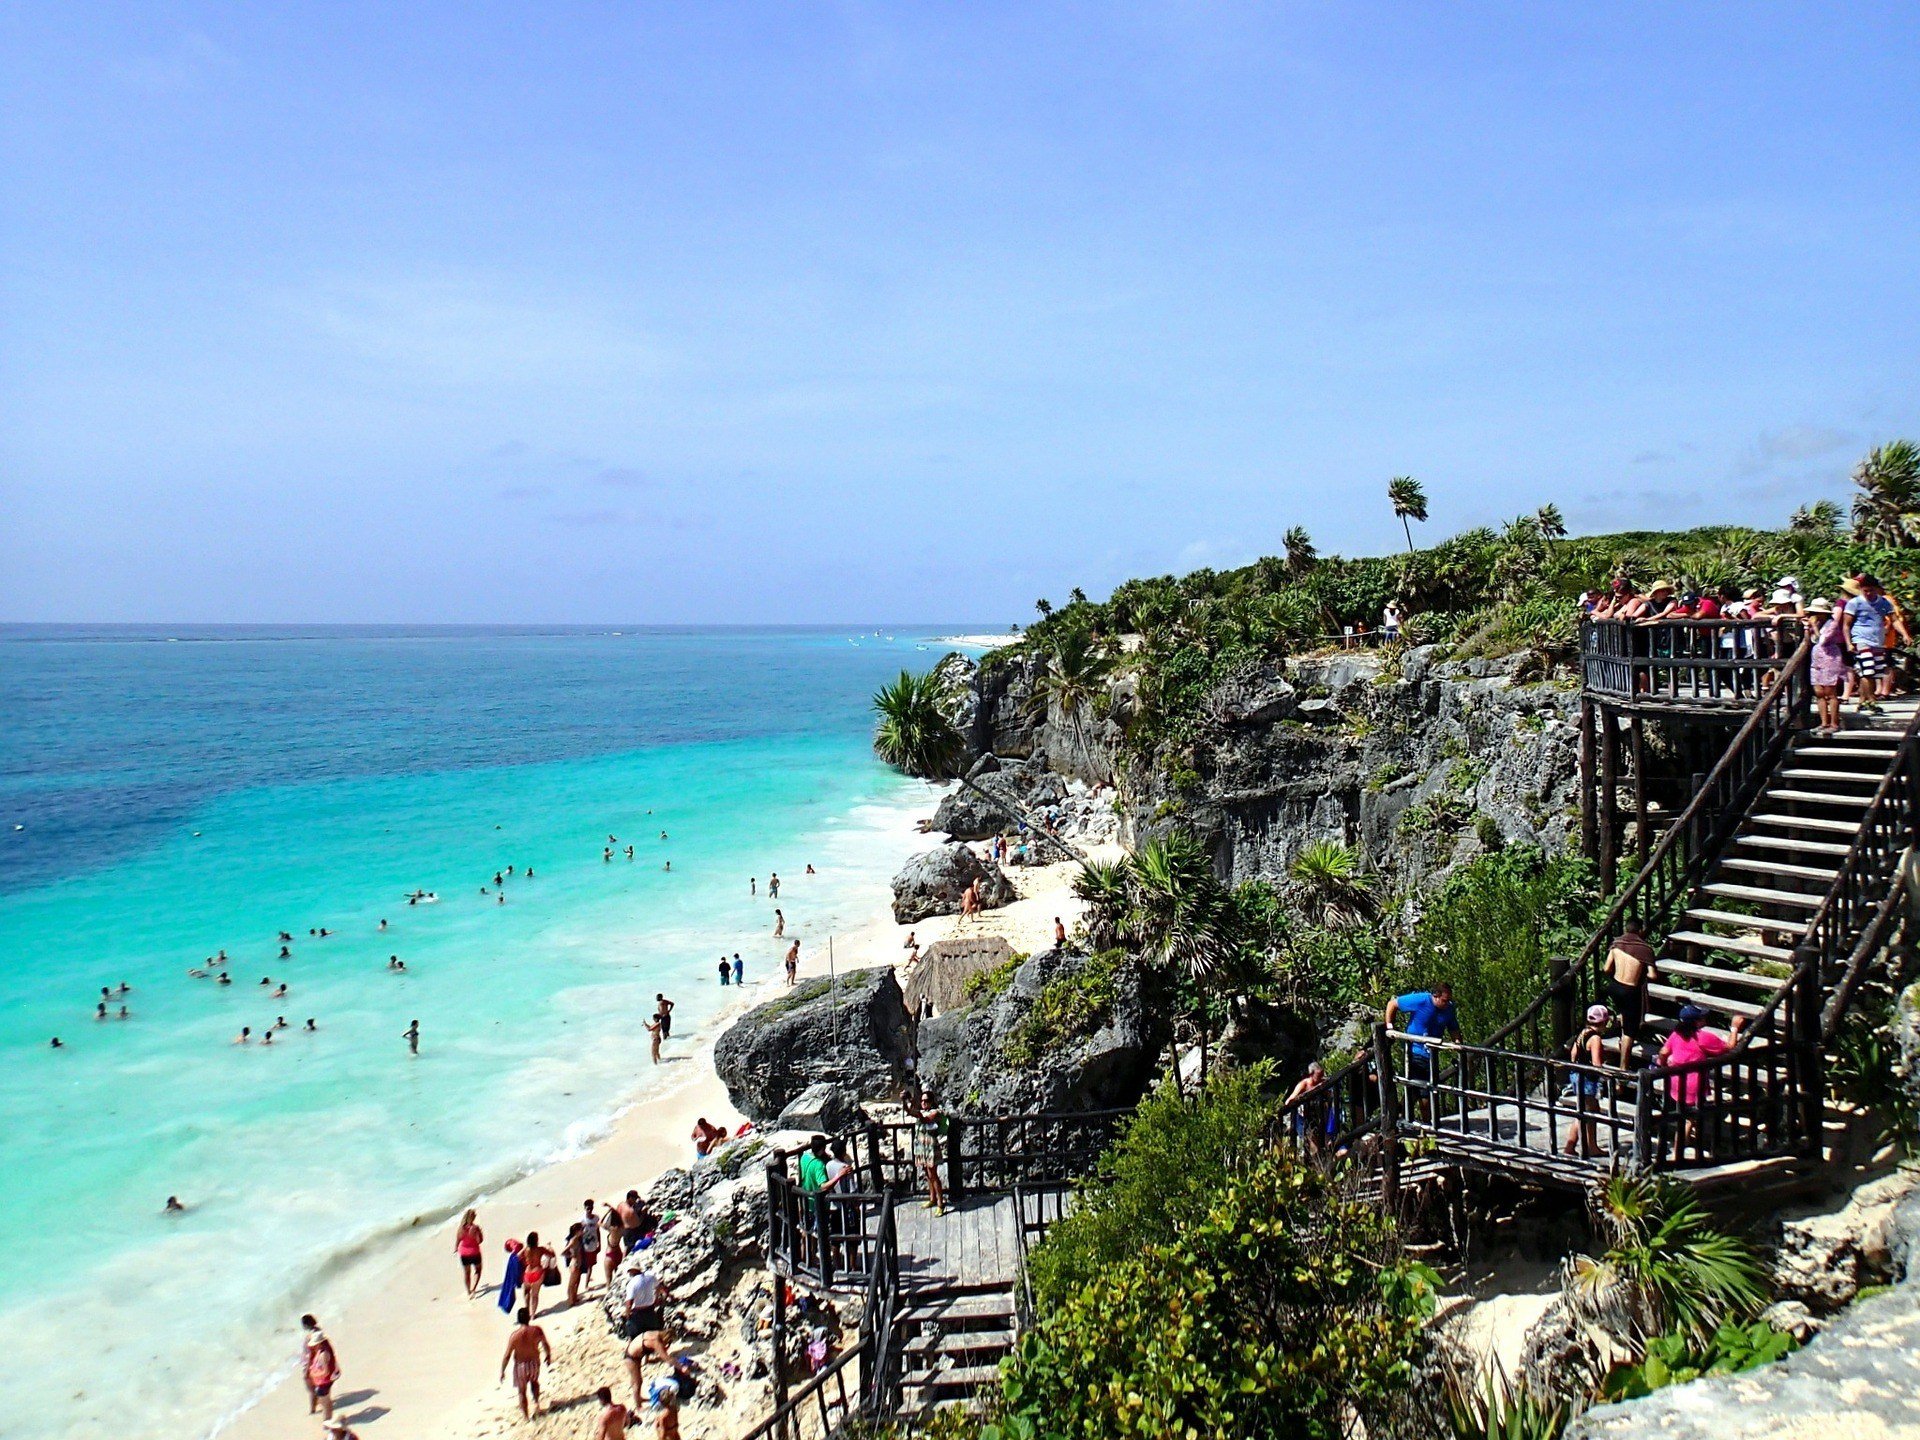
[[1589, 1048]]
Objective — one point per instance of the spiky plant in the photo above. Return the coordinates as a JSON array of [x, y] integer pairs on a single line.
[[1301, 554], [1498, 1408], [1102, 887], [1327, 886], [1820, 519]]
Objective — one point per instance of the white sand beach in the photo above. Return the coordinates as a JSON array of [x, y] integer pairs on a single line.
[[420, 1360]]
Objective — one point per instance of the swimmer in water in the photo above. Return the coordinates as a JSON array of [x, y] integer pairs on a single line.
[[285, 937], [496, 878], [125, 1014], [245, 1037], [412, 1036], [281, 993], [279, 1022], [383, 925], [606, 855], [394, 962], [529, 872], [667, 866], [55, 1044], [811, 870], [225, 979], [311, 1027], [324, 932], [100, 1011], [174, 1207], [266, 980], [197, 973], [629, 852], [124, 987], [286, 953], [499, 899], [266, 1037]]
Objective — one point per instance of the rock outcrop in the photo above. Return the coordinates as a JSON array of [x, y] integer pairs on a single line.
[[850, 1034], [1418, 767], [932, 882], [1098, 1044], [969, 814]]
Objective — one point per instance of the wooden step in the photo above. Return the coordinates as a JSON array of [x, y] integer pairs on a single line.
[[1836, 777], [960, 1380], [1752, 922], [1866, 739], [959, 1343], [1714, 974], [1783, 842], [1730, 945], [1816, 797], [1719, 1003], [1775, 867], [1760, 895], [1807, 822], [1824, 751]]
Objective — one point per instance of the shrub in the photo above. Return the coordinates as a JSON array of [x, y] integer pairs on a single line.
[[986, 986], [1068, 1006]]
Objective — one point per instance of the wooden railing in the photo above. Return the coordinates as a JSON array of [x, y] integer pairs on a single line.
[[830, 1399], [830, 1238], [1679, 860], [881, 1318], [1709, 663]]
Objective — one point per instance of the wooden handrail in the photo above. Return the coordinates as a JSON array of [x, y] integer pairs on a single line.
[[1683, 827]]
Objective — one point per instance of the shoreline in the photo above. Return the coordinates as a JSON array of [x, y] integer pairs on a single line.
[[419, 1360]]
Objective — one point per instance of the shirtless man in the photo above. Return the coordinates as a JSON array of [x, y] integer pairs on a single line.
[[526, 1347], [611, 1423], [663, 1012], [1629, 967], [1059, 932], [793, 963]]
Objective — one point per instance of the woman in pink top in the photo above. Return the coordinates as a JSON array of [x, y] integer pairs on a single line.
[[1691, 1041], [466, 1244]]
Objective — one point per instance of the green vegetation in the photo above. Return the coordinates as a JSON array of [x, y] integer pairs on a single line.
[[1675, 1358], [1211, 1285], [989, 985], [1068, 1006]]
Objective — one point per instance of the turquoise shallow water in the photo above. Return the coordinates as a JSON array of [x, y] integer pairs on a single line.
[[179, 795]]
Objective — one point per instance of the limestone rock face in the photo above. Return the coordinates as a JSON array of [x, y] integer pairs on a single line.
[[967, 814], [969, 1055], [850, 1034], [821, 1109], [932, 882]]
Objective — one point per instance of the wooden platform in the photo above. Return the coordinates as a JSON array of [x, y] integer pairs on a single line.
[[974, 1243]]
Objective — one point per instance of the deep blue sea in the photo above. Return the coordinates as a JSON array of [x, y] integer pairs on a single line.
[[170, 792]]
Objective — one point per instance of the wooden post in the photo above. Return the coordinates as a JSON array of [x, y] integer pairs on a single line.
[[1562, 982], [1811, 1069], [1389, 1121], [1589, 781], [1642, 1124], [779, 1352], [1609, 801], [1642, 839]]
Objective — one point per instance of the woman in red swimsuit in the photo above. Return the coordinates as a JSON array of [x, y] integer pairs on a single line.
[[539, 1262]]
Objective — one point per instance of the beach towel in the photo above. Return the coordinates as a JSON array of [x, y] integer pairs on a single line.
[[510, 1282]]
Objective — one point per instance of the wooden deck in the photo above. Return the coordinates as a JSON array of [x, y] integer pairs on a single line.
[[974, 1243]]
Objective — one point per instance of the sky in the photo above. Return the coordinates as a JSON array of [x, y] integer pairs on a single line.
[[799, 312]]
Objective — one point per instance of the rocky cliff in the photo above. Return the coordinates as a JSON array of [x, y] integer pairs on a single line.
[[1417, 764]]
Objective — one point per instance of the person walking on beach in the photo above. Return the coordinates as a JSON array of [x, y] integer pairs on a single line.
[[779, 924], [412, 1036], [1059, 932], [590, 1239], [793, 964], [663, 1012], [574, 1252], [319, 1366], [467, 1241], [739, 969], [753, 886], [611, 1232], [526, 1347], [538, 1263], [654, 1028]]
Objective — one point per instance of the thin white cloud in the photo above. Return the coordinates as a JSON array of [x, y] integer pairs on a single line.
[[1790, 446], [192, 60]]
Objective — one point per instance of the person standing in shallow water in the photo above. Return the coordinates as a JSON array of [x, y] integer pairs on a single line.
[[773, 887], [412, 1036], [663, 1012], [653, 1038], [739, 969], [793, 963], [779, 924], [726, 971]]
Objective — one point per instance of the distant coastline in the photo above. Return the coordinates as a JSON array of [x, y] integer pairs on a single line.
[[977, 642]]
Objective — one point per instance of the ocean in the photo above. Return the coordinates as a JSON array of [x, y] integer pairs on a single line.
[[166, 793]]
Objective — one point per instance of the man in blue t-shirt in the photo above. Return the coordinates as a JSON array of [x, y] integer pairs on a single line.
[[1869, 614], [1429, 1015]]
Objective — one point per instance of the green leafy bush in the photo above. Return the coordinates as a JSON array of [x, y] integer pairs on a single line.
[[1674, 1358], [1068, 1006]]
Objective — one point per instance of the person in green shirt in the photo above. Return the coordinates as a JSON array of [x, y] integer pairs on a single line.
[[813, 1165]]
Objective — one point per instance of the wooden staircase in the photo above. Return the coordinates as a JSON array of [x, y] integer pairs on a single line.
[[954, 1337]]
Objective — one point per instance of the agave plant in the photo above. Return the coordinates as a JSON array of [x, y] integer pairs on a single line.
[[1498, 1408]]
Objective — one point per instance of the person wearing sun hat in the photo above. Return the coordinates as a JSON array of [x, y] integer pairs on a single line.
[[1589, 1048], [1830, 662]]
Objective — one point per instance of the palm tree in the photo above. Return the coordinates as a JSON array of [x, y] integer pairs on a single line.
[[1179, 917], [1409, 503], [1822, 518], [1886, 512], [914, 734], [1667, 1267], [1074, 678], [1301, 554], [1328, 886], [1044, 606], [1102, 885], [1552, 527]]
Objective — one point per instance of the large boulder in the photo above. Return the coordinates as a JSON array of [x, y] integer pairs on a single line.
[[850, 1033], [931, 883], [992, 805], [1068, 1032]]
